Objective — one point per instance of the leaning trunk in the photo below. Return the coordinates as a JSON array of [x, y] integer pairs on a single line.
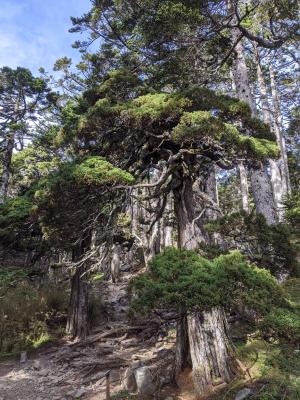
[[77, 324], [202, 337]]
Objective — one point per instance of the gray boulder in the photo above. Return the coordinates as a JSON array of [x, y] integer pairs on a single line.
[[243, 394], [145, 381]]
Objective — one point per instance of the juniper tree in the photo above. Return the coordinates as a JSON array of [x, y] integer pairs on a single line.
[[192, 286], [182, 134]]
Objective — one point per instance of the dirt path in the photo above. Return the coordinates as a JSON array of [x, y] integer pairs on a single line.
[[66, 370]]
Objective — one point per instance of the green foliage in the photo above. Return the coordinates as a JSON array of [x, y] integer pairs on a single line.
[[84, 185], [272, 246], [183, 280], [14, 218], [292, 288], [32, 163], [199, 125], [97, 171], [283, 323], [292, 213], [274, 369]]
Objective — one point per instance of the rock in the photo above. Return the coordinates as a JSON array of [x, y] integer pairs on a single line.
[[144, 381], [243, 394], [43, 372], [23, 357], [79, 393], [129, 381], [37, 364]]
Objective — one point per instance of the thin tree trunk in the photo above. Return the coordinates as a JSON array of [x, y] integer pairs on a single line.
[[167, 228], [211, 189], [241, 166], [77, 324], [278, 184], [244, 186], [6, 165], [260, 180], [263, 195], [278, 132], [115, 263], [182, 345]]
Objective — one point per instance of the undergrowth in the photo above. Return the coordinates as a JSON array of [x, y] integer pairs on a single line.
[[25, 311]]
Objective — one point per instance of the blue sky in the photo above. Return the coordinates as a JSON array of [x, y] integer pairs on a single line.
[[34, 33]]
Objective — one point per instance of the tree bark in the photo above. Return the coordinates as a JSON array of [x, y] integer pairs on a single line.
[[278, 132], [211, 189], [167, 227], [278, 181], [260, 179], [77, 324], [190, 232], [203, 337], [263, 195], [244, 186], [6, 165], [212, 354], [115, 263], [182, 345]]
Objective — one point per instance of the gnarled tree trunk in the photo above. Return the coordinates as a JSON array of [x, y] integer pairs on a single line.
[[202, 339], [190, 232]]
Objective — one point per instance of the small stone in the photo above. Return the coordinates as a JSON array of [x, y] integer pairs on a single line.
[[23, 357], [79, 393], [43, 372], [37, 364], [144, 381], [243, 394]]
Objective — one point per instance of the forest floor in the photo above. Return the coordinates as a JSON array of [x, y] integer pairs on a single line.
[[65, 370]]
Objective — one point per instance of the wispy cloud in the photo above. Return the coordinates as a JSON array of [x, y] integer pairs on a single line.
[[35, 33]]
